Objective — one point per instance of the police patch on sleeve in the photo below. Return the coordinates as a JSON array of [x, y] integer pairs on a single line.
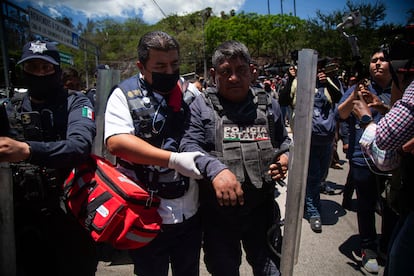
[[87, 112], [245, 133]]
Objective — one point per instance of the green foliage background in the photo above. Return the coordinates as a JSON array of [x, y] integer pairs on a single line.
[[270, 38]]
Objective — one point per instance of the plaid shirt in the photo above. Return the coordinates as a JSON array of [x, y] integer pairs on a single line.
[[381, 142], [385, 160], [397, 126]]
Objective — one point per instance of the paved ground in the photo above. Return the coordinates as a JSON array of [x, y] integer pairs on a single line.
[[333, 252]]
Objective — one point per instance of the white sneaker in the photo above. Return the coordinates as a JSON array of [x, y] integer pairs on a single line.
[[369, 260]]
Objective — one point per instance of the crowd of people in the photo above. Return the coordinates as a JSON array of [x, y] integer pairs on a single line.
[[207, 150]]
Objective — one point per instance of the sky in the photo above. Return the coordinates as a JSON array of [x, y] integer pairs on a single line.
[[151, 11]]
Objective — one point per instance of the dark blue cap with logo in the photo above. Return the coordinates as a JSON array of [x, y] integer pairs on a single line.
[[40, 50]]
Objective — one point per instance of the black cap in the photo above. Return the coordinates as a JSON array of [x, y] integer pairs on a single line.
[[40, 50]]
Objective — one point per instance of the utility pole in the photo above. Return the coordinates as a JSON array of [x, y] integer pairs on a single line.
[[203, 19], [281, 7], [294, 7], [268, 7]]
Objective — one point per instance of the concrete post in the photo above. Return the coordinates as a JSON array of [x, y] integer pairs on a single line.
[[299, 159], [107, 79], [7, 238]]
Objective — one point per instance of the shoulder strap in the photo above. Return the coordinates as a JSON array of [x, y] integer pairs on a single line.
[[212, 99], [134, 96], [262, 98], [264, 103]]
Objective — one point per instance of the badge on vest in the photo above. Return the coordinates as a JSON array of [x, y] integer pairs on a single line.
[[245, 133]]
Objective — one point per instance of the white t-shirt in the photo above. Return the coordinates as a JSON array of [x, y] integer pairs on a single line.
[[118, 120]]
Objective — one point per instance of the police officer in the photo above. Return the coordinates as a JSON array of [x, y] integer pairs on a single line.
[[144, 122], [239, 129], [54, 133]]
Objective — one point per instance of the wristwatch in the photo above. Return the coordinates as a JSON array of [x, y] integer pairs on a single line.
[[365, 120]]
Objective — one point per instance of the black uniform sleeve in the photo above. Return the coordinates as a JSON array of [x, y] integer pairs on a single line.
[[77, 144]]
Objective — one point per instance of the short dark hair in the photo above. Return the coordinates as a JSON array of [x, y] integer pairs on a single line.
[[229, 50], [68, 73], [156, 40], [71, 75], [381, 49]]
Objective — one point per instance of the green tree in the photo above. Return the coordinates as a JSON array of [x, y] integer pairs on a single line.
[[270, 38], [370, 34], [265, 35]]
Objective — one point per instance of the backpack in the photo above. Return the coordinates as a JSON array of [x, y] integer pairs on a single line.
[[111, 206]]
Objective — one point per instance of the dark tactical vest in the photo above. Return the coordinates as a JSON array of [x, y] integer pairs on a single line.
[[246, 149], [156, 123], [36, 186]]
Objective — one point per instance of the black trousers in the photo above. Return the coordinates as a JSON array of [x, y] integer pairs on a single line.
[[227, 229], [50, 242], [177, 244]]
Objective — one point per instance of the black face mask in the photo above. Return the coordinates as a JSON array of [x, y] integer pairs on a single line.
[[164, 83], [43, 87]]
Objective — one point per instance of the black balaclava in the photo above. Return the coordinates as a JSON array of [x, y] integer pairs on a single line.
[[44, 88]]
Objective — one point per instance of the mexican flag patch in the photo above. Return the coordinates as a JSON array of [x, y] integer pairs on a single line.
[[88, 113]]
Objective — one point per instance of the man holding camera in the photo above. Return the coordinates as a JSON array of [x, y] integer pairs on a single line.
[[390, 145], [365, 181]]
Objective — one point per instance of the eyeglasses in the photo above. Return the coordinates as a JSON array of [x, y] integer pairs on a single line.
[[39, 68], [382, 59]]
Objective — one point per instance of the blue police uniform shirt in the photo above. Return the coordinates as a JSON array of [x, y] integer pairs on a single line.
[[74, 123]]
